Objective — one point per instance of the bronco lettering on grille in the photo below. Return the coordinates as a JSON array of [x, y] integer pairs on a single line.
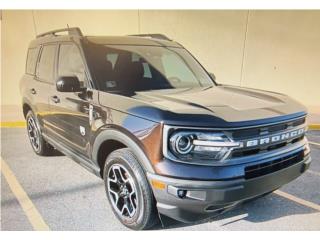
[[274, 138]]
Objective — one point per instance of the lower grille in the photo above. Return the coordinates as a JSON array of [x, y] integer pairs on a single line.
[[273, 166]]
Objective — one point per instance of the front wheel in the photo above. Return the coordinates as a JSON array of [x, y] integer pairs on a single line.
[[128, 191]]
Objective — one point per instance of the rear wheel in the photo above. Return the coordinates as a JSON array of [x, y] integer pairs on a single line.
[[128, 191], [39, 145]]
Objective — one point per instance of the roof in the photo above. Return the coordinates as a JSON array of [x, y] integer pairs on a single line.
[[49, 39], [131, 40], [107, 40]]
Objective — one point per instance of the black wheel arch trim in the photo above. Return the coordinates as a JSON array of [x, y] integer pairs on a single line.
[[26, 101], [117, 135]]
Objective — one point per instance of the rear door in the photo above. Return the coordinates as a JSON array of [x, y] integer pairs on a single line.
[[28, 83], [70, 111], [44, 84]]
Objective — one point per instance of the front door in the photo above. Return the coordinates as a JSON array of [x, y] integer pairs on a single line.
[[70, 111]]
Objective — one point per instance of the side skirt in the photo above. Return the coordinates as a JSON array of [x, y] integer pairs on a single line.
[[83, 161]]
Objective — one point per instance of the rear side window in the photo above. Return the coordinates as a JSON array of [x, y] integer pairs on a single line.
[[71, 63], [32, 60], [46, 63]]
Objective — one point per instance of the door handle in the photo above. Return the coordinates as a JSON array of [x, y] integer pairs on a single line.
[[55, 99], [33, 91], [86, 109]]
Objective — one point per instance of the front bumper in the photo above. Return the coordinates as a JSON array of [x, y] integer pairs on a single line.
[[204, 198]]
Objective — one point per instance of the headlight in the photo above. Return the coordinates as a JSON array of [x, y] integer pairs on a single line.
[[182, 143], [197, 146]]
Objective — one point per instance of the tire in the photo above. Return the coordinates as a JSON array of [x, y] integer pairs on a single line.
[[128, 191], [39, 145]]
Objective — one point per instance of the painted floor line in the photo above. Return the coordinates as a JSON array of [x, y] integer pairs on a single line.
[[298, 200], [314, 143], [313, 172], [16, 124], [314, 126], [28, 207]]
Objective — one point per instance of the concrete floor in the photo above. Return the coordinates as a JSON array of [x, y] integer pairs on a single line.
[[70, 198]]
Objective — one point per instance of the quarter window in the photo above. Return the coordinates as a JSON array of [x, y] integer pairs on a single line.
[[32, 60]]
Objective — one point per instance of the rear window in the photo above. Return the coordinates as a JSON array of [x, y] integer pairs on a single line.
[[46, 63], [32, 60]]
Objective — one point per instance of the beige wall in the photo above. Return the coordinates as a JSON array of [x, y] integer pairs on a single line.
[[272, 50], [283, 53]]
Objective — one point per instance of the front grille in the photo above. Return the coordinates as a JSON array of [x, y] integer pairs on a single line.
[[273, 166], [271, 129], [261, 131], [247, 152]]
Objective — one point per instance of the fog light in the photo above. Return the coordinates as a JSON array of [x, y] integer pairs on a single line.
[[182, 193]]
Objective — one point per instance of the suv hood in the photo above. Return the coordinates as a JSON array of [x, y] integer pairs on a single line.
[[219, 106]]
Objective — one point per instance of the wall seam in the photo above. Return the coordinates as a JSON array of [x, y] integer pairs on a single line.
[[244, 47], [139, 22], [34, 23]]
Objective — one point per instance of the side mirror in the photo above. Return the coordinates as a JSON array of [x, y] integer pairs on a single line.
[[68, 84], [212, 76]]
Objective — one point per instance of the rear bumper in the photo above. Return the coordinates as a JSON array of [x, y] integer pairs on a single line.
[[204, 198]]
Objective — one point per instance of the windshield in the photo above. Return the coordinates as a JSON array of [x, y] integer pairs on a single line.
[[126, 68]]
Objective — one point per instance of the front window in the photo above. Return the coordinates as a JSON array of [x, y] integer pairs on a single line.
[[70, 63], [123, 68]]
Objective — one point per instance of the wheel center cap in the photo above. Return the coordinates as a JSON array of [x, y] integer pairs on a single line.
[[124, 191]]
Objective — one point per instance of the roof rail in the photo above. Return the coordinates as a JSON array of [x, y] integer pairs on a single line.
[[71, 31], [152, 35]]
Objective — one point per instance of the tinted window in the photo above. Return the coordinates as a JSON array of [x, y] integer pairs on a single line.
[[70, 62], [32, 60], [175, 68], [122, 68], [46, 63], [112, 58]]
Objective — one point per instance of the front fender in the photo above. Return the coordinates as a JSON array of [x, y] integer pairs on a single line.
[[117, 135]]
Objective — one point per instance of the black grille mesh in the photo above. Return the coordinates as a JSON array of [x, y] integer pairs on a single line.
[[273, 166], [256, 132]]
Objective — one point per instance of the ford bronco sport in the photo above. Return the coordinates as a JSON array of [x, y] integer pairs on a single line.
[[143, 114]]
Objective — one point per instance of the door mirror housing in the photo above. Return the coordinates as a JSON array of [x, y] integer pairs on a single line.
[[68, 84]]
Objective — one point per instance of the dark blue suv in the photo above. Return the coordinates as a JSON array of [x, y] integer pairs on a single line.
[[142, 113]]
